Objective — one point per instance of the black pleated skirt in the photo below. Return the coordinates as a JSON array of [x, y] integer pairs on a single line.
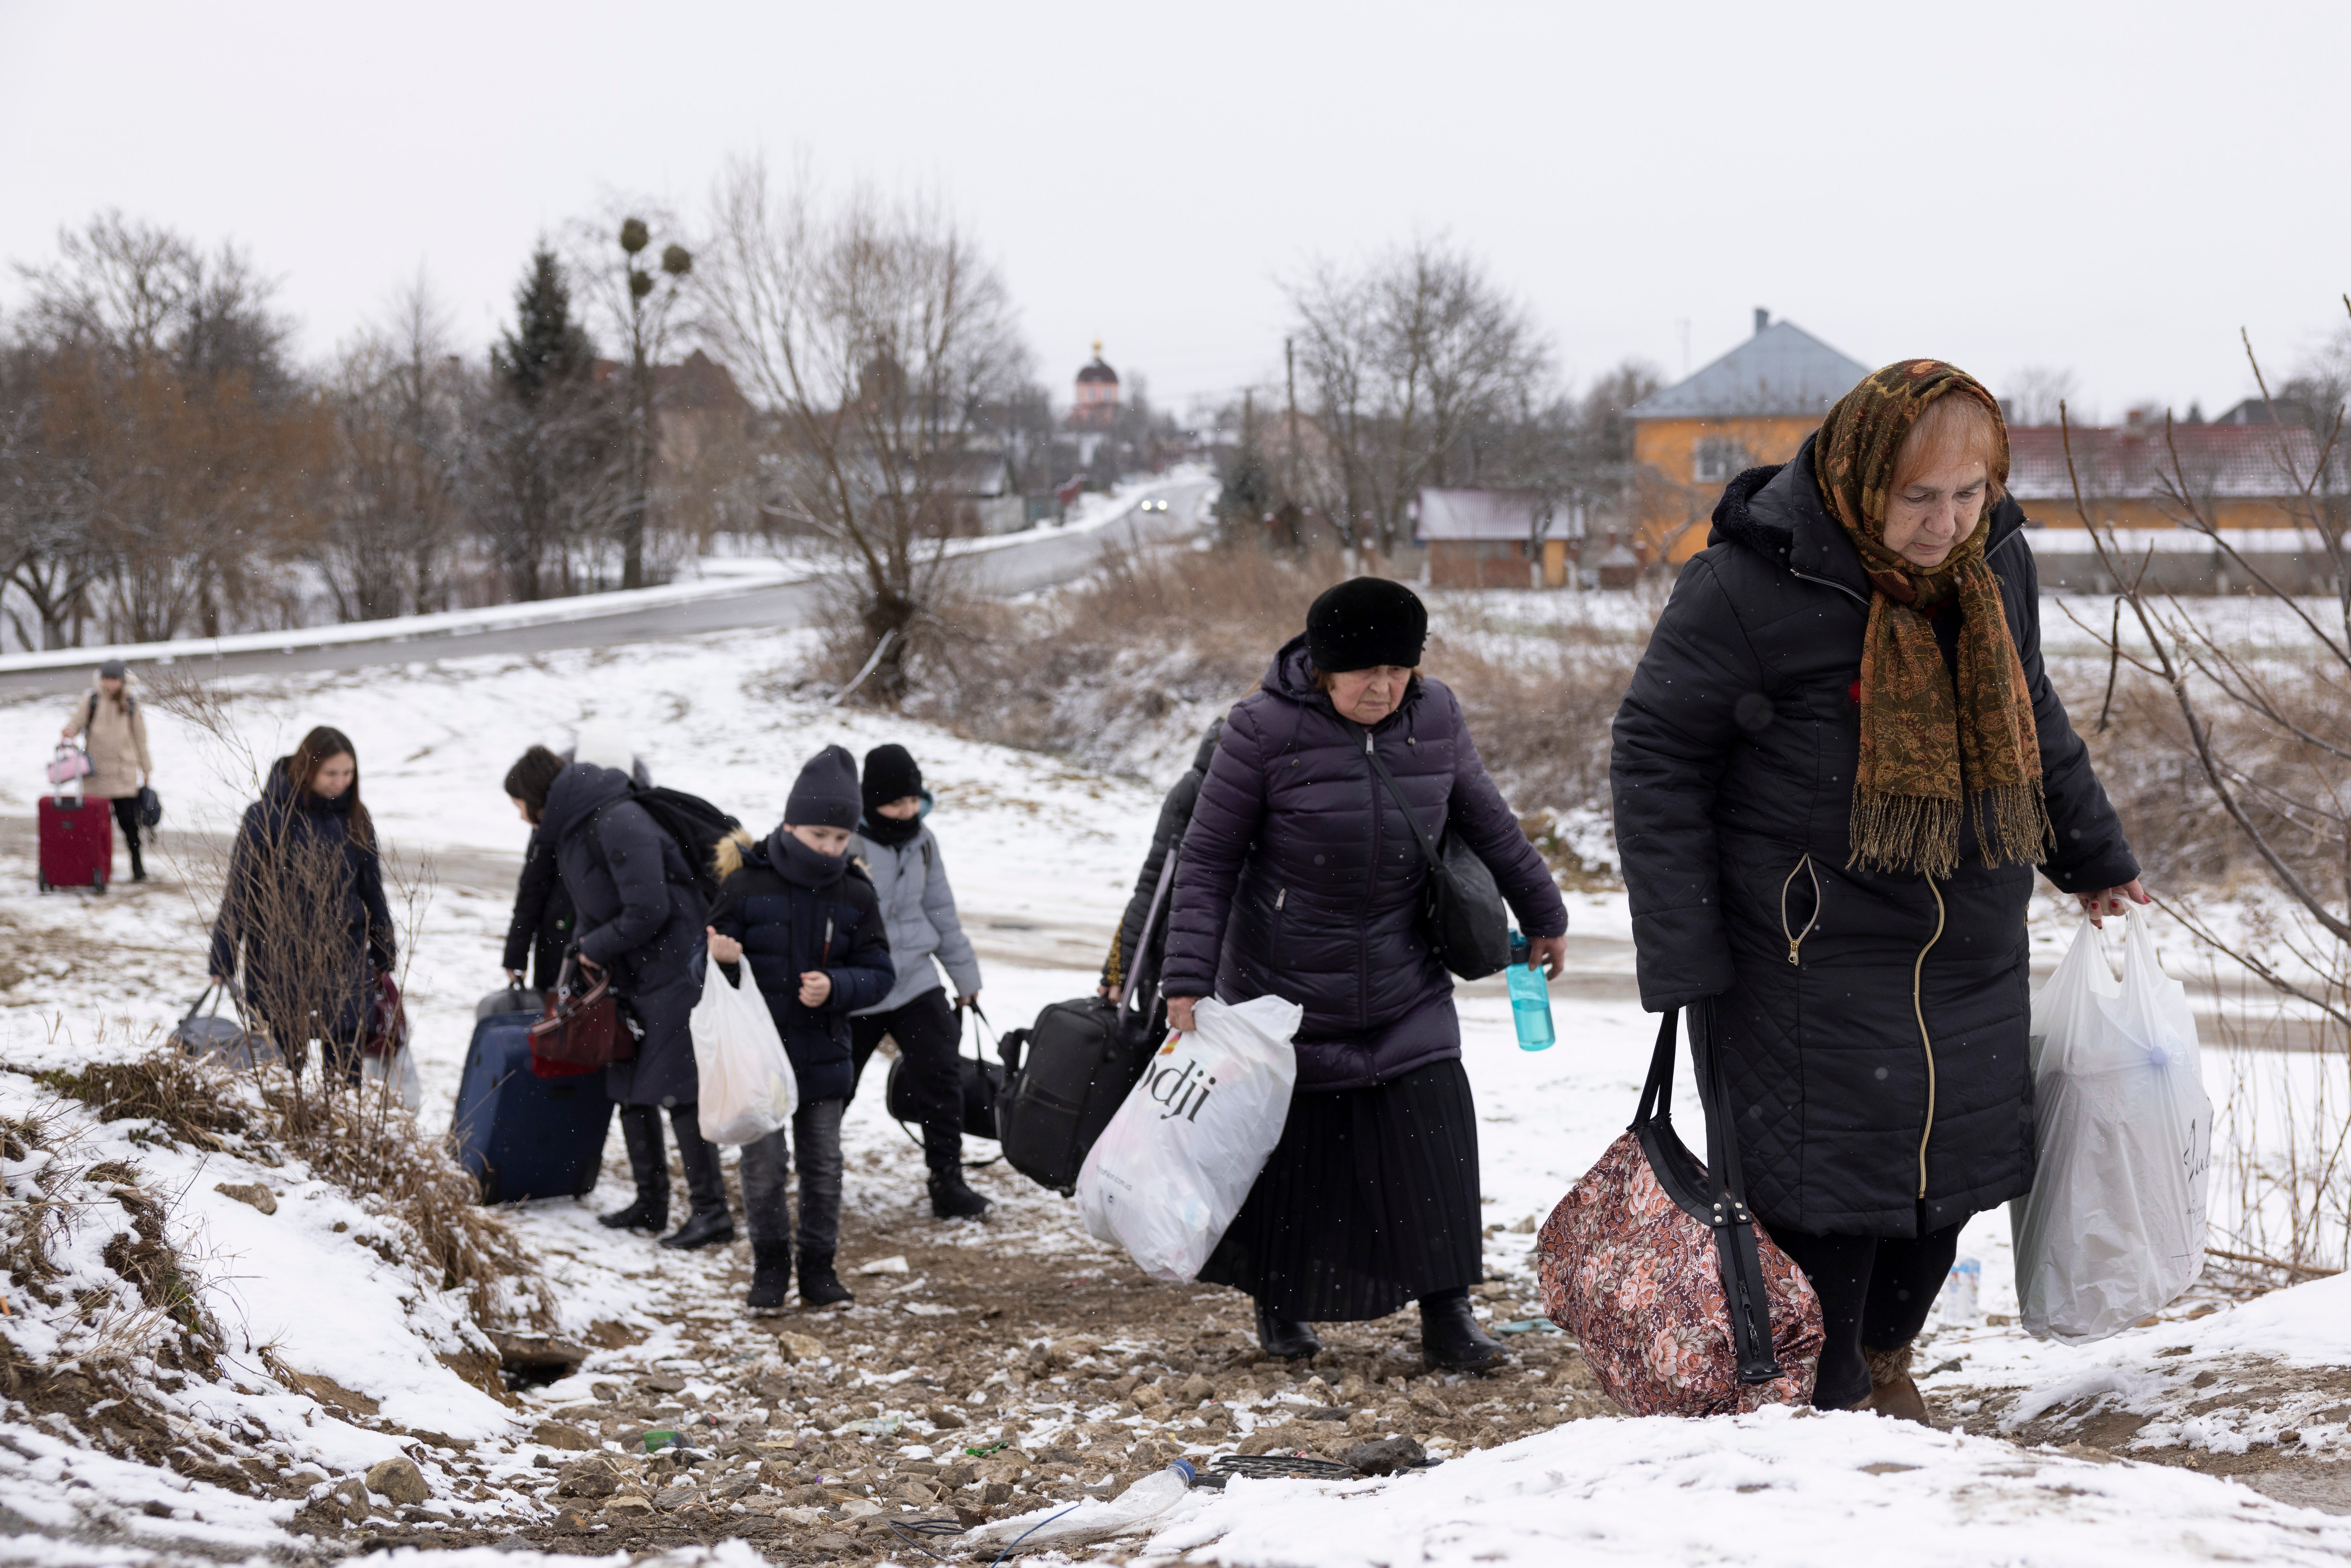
[[1369, 1201]]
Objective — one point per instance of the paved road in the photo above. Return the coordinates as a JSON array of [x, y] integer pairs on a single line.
[[1039, 562]]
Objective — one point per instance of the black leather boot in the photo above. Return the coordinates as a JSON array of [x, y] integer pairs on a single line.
[[709, 1224], [1283, 1338], [952, 1197], [1450, 1339], [820, 1286], [771, 1275], [641, 1133]]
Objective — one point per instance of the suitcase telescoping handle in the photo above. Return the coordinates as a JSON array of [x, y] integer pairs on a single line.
[[1150, 925]]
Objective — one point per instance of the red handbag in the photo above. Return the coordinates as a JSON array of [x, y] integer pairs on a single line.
[[584, 1028], [1681, 1301], [387, 1032]]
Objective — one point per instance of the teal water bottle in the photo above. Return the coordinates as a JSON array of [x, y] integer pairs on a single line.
[[1530, 998]]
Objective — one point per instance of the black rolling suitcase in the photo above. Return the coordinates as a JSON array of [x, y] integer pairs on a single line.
[[522, 1135], [1067, 1073]]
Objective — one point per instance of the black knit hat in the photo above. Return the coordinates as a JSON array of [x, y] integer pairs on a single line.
[[825, 794], [890, 774], [1364, 621]]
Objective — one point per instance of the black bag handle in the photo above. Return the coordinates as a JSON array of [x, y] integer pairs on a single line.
[[1744, 1293], [1143, 943]]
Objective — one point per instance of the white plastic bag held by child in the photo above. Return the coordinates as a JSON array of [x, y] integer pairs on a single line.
[[2114, 1227], [748, 1087], [1170, 1171]]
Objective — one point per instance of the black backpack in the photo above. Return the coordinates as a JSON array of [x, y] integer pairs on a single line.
[[692, 821]]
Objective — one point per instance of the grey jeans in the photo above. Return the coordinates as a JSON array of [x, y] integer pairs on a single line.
[[768, 1164]]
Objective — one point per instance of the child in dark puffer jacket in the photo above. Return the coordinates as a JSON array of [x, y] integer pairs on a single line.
[[809, 926]]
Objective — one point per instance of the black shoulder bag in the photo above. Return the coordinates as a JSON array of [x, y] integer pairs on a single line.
[[1462, 918]]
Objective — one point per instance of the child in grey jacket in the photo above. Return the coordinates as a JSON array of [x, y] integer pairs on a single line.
[[902, 859]]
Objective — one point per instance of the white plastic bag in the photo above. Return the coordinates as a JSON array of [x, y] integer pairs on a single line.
[[2114, 1226], [400, 1068], [748, 1087], [1170, 1171]]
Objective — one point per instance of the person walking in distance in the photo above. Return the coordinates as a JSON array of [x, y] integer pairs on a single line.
[[898, 851], [641, 922], [804, 917], [119, 766], [1838, 764], [304, 906], [1300, 877]]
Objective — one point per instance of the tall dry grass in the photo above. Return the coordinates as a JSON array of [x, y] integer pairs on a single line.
[[1125, 670]]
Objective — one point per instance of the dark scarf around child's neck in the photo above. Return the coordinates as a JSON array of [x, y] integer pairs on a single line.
[[798, 864]]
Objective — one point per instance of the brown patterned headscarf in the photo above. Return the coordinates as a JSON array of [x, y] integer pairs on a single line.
[[1929, 750]]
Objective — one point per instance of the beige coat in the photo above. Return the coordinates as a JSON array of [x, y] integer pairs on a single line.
[[118, 745]]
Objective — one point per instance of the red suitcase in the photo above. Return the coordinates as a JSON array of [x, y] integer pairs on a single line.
[[77, 842]]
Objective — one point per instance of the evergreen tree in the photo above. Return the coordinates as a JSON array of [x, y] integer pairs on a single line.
[[545, 347]]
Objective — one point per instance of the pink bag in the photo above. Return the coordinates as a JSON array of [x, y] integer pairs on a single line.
[[1681, 1301], [70, 763]]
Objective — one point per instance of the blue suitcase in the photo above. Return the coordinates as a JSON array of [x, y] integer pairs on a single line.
[[521, 1135]]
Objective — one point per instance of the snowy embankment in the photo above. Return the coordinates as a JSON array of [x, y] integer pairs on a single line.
[[1041, 855]]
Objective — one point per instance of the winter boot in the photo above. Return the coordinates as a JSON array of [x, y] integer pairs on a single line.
[[1450, 1339], [820, 1286], [641, 1132], [1284, 1339], [1891, 1390], [710, 1224], [952, 1197], [771, 1276], [138, 866]]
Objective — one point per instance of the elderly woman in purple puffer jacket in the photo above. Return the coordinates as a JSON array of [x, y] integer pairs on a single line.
[[1300, 878]]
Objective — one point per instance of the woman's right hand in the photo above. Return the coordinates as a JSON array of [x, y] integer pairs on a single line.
[[1179, 1014], [726, 949]]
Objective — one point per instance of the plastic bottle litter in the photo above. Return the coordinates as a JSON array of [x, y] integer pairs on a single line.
[[1962, 1291], [1530, 997], [1080, 1525]]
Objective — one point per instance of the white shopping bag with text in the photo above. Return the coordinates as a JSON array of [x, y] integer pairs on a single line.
[[748, 1087], [2114, 1226], [1170, 1171]]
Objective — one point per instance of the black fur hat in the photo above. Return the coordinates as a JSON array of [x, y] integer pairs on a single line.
[[1364, 621]]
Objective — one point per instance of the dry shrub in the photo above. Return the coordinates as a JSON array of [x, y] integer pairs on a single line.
[[1125, 669], [2146, 761], [165, 1087], [142, 1298]]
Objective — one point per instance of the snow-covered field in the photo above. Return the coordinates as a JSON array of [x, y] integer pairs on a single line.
[[1041, 855]]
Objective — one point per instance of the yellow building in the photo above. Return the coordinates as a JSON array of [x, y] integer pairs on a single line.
[[1753, 405]]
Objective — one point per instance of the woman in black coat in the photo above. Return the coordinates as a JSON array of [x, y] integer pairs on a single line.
[[640, 920], [1130, 960], [1836, 767], [1300, 877], [541, 928], [304, 901]]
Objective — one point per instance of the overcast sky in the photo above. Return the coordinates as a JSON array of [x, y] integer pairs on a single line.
[[2115, 189]]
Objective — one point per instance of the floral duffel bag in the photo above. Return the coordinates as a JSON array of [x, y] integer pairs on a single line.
[[1682, 1303]]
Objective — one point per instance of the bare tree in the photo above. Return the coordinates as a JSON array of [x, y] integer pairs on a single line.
[[1403, 357], [396, 398], [2035, 394], [2263, 731], [877, 337], [195, 450]]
